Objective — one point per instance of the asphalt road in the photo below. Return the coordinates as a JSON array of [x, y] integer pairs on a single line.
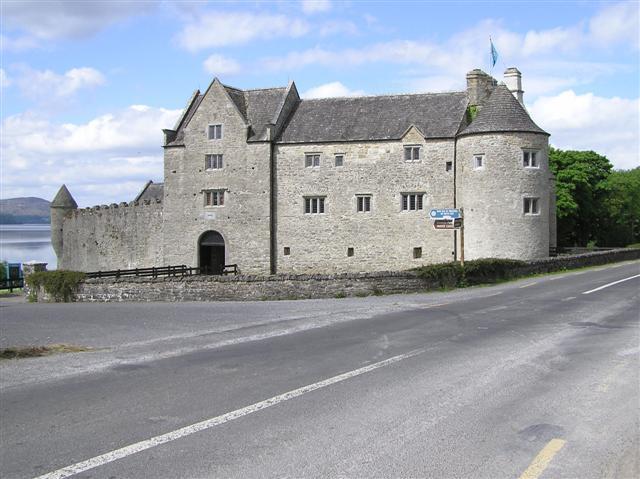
[[528, 379]]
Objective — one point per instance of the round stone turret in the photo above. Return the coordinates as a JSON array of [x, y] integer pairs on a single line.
[[61, 206], [503, 182]]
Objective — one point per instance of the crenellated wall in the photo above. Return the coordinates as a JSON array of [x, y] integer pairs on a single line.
[[116, 236]]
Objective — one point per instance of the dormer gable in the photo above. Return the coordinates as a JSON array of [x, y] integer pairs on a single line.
[[413, 135]]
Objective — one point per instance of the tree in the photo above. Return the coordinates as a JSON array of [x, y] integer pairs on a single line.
[[622, 205], [581, 190]]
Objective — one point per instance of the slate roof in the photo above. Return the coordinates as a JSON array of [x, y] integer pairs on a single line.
[[436, 115], [151, 191], [257, 107], [262, 106], [502, 113], [64, 199]]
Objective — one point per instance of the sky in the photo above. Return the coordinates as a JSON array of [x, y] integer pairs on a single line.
[[87, 87]]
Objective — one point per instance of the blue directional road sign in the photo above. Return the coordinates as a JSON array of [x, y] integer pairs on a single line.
[[445, 214]]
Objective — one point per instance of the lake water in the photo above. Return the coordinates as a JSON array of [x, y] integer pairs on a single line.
[[22, 243]]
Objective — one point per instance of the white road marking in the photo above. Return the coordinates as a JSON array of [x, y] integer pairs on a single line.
[[216, 421], [611, 284], [529, 284], [568, 299]]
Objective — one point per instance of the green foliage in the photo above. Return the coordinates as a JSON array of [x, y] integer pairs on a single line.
[[490, 270], [3, 269], [581, 190], [472, 112], [445, 275], [482, 271], [60, 284], [621, 225]]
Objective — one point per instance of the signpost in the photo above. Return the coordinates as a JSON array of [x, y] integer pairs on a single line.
[[449, 219]]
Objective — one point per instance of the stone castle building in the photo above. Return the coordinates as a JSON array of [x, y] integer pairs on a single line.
[[277, 184]]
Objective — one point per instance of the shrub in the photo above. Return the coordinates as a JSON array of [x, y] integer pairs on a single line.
[[60, 285], [450, 275], [444, 275], [490, 270]]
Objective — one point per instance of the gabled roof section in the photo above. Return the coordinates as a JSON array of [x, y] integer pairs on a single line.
[[502, 113], [262, 107], [151, 191], [237, 97], [388, 117], [256, 107], [185, 118], [63, 199]]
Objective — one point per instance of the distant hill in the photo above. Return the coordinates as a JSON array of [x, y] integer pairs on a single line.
[[24, 210]]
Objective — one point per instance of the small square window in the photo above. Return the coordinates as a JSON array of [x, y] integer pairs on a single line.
[[478, 162], [214, 197], [448, 166], [530, 206], [530, 159], [314, 205], [411, 153], [212, 162], [287, 251], [311, 160], [339, 160], [417, 253], [214, 132], [350, 251], [363, 203]]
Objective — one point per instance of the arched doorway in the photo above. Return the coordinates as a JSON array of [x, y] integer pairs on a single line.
[[211, 252]]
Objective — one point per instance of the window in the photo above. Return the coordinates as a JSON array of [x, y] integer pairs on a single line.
[[478, 162], [314, 205], [287, 250], [213, 162], [339, 159], [214, 132], [363, 203], [350, 251], [412, 201], [214, 198], [448, 166], [530, 206], [417, 253], [411, 153], [530, 159], [311, 160]]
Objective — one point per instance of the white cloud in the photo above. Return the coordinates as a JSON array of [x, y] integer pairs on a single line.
[[49, 86], [104, 160], [315, 6], [5, 81], [217, 29], [331, 90], [616, 24], [39, 21], [609, 126], [220, 65], [554, 40]]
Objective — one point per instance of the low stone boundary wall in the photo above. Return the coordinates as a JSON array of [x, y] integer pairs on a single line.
[[245, 288]]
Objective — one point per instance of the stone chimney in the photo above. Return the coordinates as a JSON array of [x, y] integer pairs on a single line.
[[480, 85], [513, 80]]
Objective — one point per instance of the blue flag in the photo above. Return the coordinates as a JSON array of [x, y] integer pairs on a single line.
[[494, 54]]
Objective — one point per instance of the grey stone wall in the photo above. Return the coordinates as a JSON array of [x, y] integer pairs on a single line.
[[243, 221], [123, 236], [244, 288], [384, 238], [492, 197]]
